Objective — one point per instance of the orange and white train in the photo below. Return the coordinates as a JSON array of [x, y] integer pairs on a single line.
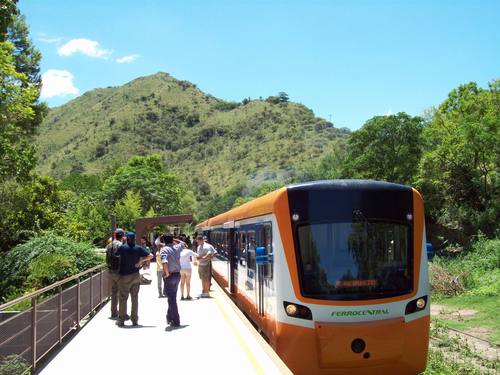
[[333, 273]]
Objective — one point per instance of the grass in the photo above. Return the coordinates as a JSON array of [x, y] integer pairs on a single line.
[[452, 355], [487, 314]]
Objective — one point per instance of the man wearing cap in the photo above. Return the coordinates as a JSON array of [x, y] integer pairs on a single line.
[[205, 254], [113, 262], [131, 258], [170, 255]]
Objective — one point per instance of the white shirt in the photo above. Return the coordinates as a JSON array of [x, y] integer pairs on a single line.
[[185, 258]]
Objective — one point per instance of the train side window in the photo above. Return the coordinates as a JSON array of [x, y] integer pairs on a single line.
[[268, 244], [236, 247], [251, 251], [243, 248], [224, 244]]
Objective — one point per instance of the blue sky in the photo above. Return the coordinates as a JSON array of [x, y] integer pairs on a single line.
[[346, 60]]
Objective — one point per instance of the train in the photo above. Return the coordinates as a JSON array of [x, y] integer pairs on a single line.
[[332, 273]]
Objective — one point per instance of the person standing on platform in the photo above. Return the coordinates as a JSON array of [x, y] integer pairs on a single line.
[[186, 255], [205, 254], [170, 256], [159, 270], [132, 257], [113, 263]]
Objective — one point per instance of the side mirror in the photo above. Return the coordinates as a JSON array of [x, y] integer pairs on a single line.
[[430, 251]]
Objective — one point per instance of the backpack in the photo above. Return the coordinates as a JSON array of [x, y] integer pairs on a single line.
[[113, 260]]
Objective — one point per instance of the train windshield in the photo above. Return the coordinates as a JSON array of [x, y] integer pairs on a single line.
[[354, 260]]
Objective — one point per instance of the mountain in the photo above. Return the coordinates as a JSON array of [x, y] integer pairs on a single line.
[[202, 138]]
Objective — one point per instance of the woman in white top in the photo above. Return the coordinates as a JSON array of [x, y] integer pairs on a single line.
[[186, 255]]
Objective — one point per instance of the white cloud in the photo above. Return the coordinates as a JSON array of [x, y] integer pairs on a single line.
[[57, 83], [50, 40], [127, 59], [388, 113], [86, 47]]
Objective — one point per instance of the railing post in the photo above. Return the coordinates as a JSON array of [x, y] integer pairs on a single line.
[[100, 286], [78, 302], [60, 316], [33, 333], [91, 279]]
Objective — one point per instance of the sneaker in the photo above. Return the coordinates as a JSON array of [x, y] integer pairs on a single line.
[[119, 323], [135, 324], [113, 316]]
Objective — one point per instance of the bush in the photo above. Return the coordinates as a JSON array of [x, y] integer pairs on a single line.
[[14, 365], [49, 268], [476, 272], [48, 247], [443, 282]]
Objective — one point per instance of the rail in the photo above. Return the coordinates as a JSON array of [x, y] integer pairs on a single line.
[[34, 332]]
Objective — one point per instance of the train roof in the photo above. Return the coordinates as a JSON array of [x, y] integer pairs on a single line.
[[348, 185], [265, 204]]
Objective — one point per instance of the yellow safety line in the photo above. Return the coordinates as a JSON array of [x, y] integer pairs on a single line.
[[257, 367]]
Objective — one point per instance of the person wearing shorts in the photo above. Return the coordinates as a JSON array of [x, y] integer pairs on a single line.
[[186, 255], [205, 254]]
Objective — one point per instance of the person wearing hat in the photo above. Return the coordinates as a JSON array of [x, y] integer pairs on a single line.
[[113, 263], [170, 256], [132, 257]]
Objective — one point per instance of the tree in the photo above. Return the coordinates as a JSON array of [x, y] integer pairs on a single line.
[[386, 148], [459, 173], [28, 208], [282, 97], [20, 86], [147, 175], [128, 210], [81, 183], [86, 218], [8, 11]]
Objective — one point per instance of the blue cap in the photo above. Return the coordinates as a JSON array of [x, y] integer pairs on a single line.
[[130, 235]]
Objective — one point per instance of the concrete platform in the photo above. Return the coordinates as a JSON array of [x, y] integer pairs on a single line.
[[214, 337]]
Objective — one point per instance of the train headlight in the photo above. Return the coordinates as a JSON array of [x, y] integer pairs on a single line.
[[416, 305], [291, 309], [420, 303], [297, 311]]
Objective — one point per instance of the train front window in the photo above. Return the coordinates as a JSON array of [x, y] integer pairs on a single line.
[[354, 260]]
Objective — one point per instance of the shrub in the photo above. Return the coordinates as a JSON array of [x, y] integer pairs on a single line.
[[14, 365], [443, 281], [17, 263], [476, 272], [49, 268]]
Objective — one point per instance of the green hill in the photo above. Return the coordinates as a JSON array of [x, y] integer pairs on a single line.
[[202, 138]]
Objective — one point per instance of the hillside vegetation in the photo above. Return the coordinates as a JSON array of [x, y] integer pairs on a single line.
[[212, 143]]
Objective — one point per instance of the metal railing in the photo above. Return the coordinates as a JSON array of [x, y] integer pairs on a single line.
[[34, 332]]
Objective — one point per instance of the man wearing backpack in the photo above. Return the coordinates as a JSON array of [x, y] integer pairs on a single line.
[[132, 258], [113, 262]]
